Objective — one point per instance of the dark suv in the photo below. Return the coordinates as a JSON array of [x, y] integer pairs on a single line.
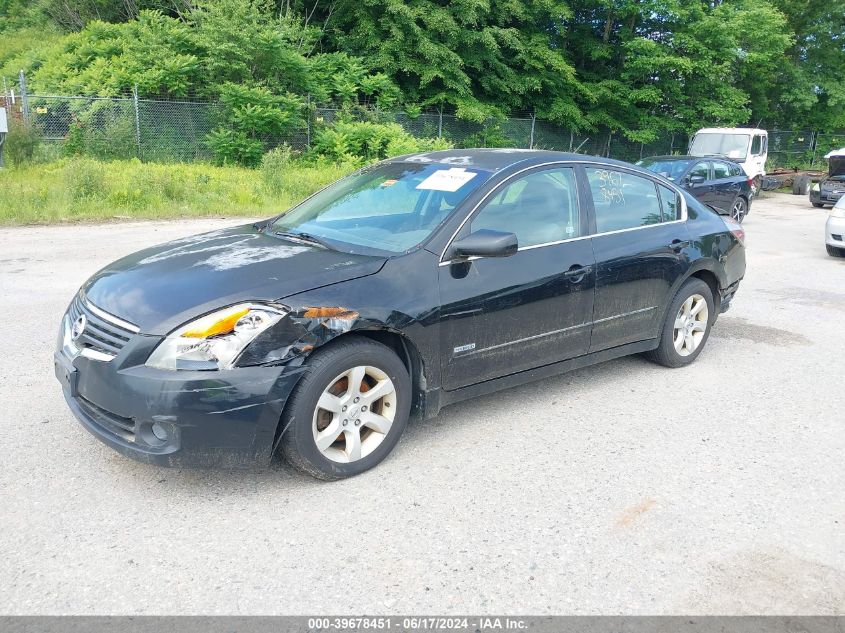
[[718, 183]]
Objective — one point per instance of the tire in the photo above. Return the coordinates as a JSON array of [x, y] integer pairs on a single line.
[[739, 209], [801, 185], [330, 375], [818, 205], [667, 354], [835, 252]]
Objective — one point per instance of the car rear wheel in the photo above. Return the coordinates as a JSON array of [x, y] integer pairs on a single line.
[[348, 411], [739, 209], [687, 326], [835, 252]]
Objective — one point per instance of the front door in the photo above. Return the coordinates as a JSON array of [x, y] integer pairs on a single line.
[[704, 190], [505, 315], [640, 245]]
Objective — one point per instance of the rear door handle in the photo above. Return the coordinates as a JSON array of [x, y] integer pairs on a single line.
[[678, 245], [577, 273]]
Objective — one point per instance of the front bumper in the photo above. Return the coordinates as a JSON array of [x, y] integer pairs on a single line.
[[834, 232], [825, 196], [178, 418]]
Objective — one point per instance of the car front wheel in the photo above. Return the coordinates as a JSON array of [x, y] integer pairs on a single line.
[[687, 326], [348, 411]]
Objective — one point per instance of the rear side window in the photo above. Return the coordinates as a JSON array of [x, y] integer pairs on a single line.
[[670, 202], [736, 170], [623, 200], [721, 170]]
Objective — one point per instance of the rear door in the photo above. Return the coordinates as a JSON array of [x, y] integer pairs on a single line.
[[726, 186], [640, 244], [504, 315]]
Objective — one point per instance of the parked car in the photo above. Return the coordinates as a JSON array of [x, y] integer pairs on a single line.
[[834, 230], [748, 147], [832, 187], [718, 183], [412, 284]]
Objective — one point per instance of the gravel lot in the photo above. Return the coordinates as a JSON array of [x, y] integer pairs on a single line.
[[625, 488]]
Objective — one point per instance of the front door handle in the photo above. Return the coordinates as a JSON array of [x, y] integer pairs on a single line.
[[678, 245], [576, 273]]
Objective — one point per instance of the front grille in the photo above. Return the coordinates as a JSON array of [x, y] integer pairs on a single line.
[[120, 426], [100, 334]]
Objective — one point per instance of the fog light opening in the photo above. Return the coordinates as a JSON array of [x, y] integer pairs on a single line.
[[159, 431]]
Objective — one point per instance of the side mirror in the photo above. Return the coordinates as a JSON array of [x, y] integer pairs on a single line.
[[486, 243], [697, 180]]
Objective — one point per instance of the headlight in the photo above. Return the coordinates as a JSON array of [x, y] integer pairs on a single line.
[[816, 187], [216, 340], [838, 211]]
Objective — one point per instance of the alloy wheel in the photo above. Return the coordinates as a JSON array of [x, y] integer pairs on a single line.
[[739, 210], [690, 325], [354, 414]]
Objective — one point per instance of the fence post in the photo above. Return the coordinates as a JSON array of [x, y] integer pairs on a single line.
[[440, 122], [308, 120], [814, 142], [137, 119], [531, 139], [24, 97]]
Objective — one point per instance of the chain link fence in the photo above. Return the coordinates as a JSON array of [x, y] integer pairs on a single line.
[[178, 131]]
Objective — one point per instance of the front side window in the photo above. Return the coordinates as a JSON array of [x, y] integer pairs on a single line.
[[539, 208], [701, 170], [623, 200], [757, 145], [387, 207]]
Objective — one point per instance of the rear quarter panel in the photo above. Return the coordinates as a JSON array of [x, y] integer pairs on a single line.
[[716, 248]]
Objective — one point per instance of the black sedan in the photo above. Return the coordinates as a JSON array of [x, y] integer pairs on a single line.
[[831, 188], [409, 285], [718, 183]]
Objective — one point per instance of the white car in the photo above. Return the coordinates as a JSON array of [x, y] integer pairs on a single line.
[[834, 230]]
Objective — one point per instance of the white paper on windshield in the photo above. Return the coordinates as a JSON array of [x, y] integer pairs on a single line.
[[447, 179]]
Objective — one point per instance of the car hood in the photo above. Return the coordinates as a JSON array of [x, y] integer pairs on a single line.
[[836, 164], [162, 287]]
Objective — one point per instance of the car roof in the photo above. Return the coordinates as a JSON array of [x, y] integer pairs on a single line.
[[732, 130], [672, 157], [691, 157], [497, 159]]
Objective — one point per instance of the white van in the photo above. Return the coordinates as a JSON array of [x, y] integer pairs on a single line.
[[747, 146]]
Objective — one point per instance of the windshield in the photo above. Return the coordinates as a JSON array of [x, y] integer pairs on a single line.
[[387, 207], [728, 145], [671, 169]]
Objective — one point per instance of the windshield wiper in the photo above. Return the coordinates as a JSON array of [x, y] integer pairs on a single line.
[[304, 237]]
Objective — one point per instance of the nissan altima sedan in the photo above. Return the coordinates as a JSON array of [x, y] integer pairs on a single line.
[[410, 285]]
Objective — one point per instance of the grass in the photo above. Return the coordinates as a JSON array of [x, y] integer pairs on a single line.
[[86, 190]]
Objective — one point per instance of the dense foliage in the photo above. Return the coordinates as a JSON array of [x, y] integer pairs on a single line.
[[636, 67]]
